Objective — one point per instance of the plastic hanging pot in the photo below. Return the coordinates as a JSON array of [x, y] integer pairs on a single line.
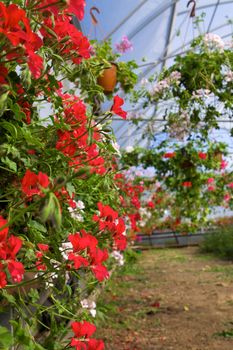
[[108, 79]]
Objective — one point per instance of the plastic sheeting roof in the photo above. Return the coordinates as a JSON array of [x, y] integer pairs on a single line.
[[158, 30]]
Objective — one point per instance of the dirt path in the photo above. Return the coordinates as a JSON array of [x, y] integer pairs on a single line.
[[174, 299]]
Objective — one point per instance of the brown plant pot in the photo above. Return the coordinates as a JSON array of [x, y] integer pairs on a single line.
[[218, 156], [108, 79], [186, 164]]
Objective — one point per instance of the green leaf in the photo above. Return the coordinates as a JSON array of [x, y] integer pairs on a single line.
[[70, 188], [6, 339], [36, 225], [10, 163]]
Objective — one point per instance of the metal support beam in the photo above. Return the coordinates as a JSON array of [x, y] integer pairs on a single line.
[[213, 15], [155, 14], [205, 6], [125, 19], [170, 31]]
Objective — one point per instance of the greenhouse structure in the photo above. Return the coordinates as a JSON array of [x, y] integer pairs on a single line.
[[116, 175]]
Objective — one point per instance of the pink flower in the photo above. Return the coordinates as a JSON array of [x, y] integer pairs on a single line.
[[211, 188], [227, 197], [223, 164], [125, 45], [210, 180]]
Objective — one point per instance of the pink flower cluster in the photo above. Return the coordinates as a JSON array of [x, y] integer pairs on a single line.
[[125, 45]]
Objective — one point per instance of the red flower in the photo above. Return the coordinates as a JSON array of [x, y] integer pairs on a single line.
[[83, 331], [211, 188], [151, 204], [43, 247], [116, 107], [4, 231], [187, 184], [32, 183], [202, 155], [210, 180], [169, 155], [16, 270], [77, 8], [78, 260], [98, 256], [3, 281]]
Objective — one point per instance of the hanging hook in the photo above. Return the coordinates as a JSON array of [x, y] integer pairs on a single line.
[[193, 11], [93, 17]]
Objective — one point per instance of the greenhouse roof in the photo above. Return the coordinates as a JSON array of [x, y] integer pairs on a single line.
[[159, 31]]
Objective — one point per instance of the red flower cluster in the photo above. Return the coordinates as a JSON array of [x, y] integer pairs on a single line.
[[82, 341], [74, 143], [85, 243], [202, 155], [15, 26], [34, 184], [187, 184], [9, 247], [39, 254], [71, 42], [109, 220], [75, 7], [169, 155], [116, 107]]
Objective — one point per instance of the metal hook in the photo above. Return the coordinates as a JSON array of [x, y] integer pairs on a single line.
[[93, 17], [193, 11]]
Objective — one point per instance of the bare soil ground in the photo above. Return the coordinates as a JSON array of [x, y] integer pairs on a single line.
[[172, 299]]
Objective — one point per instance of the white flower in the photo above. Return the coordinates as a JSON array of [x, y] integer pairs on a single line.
[[116, 147], [159, 87], [229, 76], [144, 81], [129, 149], [65, 249], [90, 305], [214, 41], [80, 204], [118, 257], [76, 213]]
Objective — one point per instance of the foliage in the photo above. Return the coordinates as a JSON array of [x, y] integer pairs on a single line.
[[61, 217], [220, 243], [85, 76], [196, 89]]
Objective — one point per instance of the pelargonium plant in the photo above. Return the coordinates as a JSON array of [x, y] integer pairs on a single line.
[[61, 218]]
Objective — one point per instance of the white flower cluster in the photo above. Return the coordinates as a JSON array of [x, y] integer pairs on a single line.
[[164, 84], [145, 215], [65, 249], [214, 41], [229, 76], [201, 93], [118, 257], [77, 213], [90, 305], [134, 172]]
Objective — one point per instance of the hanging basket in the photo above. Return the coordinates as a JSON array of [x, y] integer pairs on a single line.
[[108, 79], [218, 156]]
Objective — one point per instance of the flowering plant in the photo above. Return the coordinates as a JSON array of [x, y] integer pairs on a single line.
[[60, 208], [103, 56], [196, 89]]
